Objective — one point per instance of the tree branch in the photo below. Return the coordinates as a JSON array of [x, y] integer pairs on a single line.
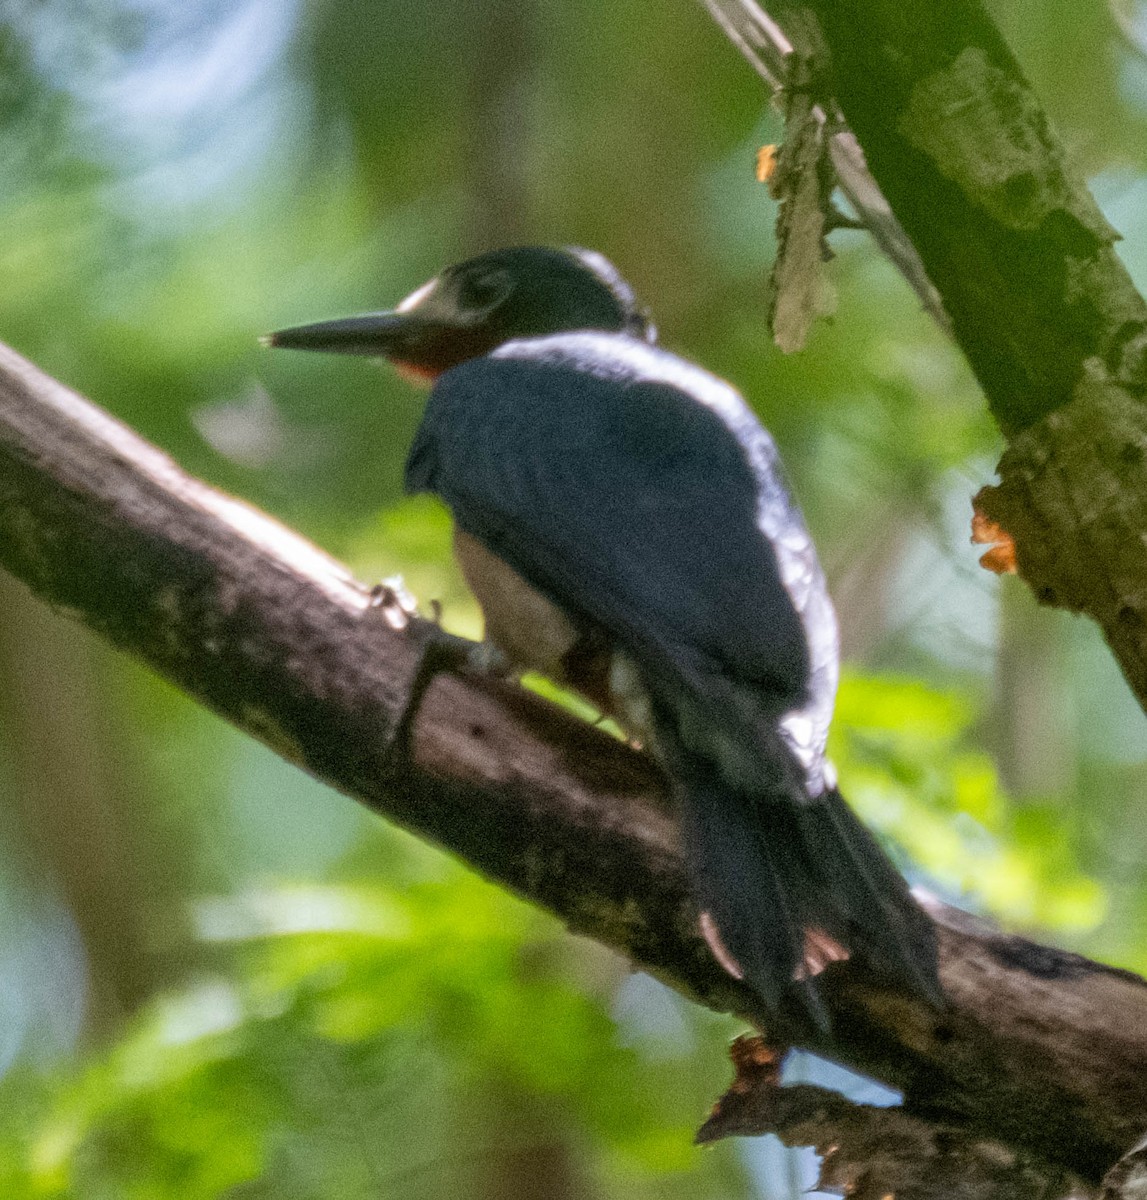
[[871, 1153], [1045, 1050], [1013, 241], [1039, 302], [1023, 262]]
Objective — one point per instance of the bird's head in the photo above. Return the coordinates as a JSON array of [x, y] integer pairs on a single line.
[[474, 306]]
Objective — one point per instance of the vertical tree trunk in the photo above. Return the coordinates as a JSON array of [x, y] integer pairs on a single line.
[[81, 806]]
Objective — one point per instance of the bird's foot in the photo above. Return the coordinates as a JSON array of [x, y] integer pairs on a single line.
[[437, 650], [443, 651]]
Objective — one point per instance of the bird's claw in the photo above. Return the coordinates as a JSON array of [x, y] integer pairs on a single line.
[[444, 651], [437, 651]]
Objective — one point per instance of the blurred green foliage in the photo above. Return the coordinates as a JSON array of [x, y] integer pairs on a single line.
[[903, 751], [221, 979], [356, 1029]]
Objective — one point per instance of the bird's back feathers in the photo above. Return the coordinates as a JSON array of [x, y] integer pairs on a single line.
[[640, 496]]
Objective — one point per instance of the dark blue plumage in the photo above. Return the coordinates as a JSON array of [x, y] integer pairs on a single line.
[[623, 519], [622, 499]]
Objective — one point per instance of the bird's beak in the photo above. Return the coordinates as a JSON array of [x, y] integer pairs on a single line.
[[381, 335]]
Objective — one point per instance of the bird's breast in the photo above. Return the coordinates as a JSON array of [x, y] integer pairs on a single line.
[[536, 635], [527, 627]]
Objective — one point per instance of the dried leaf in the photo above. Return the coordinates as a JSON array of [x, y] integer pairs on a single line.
[[802, 183]]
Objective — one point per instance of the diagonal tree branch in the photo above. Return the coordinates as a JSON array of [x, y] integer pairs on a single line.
[[1043, 1050], [1025, 266]]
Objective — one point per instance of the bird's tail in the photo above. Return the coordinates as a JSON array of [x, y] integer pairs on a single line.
[[788, 885]]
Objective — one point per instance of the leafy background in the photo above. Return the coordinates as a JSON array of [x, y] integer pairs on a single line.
[[221, 979]]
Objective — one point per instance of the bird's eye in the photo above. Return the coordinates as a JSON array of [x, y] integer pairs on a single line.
[[485, 291]]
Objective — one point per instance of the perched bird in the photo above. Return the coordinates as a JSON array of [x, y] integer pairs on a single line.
[[623, 520]]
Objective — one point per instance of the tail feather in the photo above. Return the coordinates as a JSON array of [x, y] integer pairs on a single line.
[[772, 870], [881, 917], [745, 893]]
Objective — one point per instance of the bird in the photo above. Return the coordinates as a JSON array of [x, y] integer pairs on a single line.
[[624, 521]]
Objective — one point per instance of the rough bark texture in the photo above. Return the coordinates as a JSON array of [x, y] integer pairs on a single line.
[[1073, 497], [872, 1153], [1045, 1051], [1024, 263], [1016, 246]]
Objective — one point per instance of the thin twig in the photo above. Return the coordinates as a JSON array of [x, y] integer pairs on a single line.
[[764, 44]]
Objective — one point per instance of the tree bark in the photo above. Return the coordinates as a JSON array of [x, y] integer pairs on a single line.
[[1024, 264], [1039, 302], [1042, 1050]]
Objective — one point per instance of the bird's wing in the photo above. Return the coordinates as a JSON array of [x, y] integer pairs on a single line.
[[627, 501]]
